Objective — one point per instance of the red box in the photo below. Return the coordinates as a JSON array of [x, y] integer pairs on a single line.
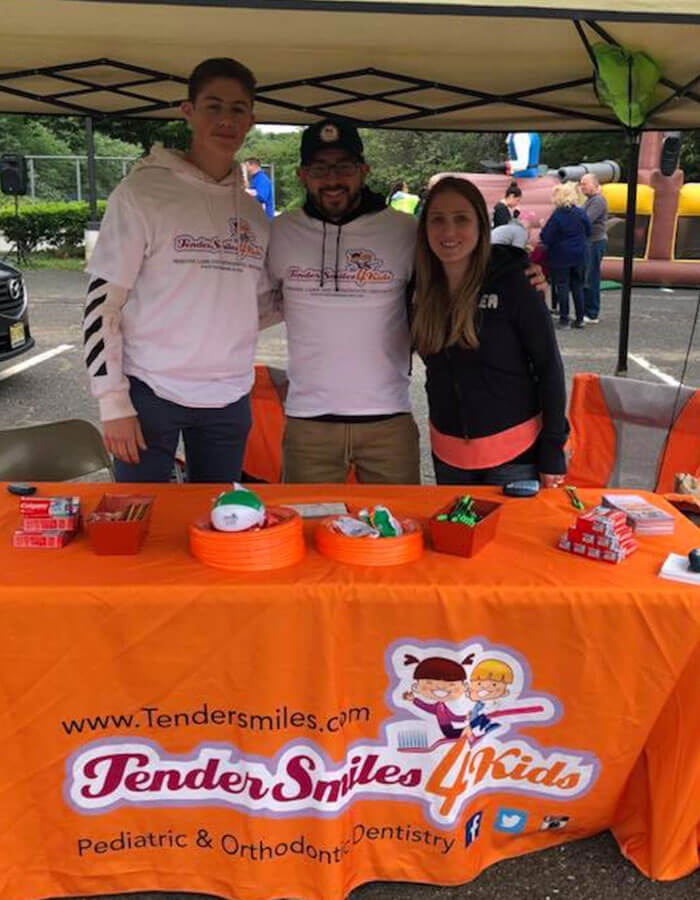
[[118, 536], [51, 523], [49, 506], [47, 540], [602, 520], [463, 540]]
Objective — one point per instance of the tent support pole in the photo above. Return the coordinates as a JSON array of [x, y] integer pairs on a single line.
[[634, 139], [93, 221]]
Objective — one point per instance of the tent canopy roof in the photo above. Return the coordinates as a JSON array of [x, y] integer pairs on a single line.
[[450, 65]]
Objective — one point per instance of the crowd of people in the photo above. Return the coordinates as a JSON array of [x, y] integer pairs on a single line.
[[571, 244], [188, 266]]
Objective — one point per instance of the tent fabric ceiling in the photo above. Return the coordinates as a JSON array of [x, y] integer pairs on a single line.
[[388, 63]]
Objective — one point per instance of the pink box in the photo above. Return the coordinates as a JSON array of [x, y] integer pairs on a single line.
[[46, 540], [51, 523]]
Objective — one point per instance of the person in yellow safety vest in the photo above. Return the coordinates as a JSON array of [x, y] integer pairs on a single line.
[[402, 199]]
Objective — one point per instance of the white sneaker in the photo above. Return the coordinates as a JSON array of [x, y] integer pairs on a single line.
[[589, 321]]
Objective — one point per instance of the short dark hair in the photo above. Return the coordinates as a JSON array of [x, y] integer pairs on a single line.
[[513, 190], [219, 67], [254, 160]]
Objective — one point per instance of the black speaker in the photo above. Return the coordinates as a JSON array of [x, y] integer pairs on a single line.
[[670, 152], [13, 174]]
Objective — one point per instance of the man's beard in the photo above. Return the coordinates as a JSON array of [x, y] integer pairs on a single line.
[[338, 208]]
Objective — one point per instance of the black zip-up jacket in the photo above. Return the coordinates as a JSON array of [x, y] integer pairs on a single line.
[[515, 373]]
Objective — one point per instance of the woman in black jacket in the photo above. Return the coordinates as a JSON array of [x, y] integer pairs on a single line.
[[495, 380]]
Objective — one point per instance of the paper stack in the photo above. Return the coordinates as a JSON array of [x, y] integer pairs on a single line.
[[676, 568], [642, 517]]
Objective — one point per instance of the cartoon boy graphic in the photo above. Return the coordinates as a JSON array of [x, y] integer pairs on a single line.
[[436, 681], [488, 684]]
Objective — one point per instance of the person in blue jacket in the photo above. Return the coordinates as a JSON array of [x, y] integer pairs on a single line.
[[260, 186], [565, 234]]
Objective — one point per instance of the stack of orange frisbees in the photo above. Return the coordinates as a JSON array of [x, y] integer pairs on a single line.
[[370, 551], [273, 546]]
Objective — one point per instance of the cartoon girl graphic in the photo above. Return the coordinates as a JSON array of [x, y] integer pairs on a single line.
[[436, 681]]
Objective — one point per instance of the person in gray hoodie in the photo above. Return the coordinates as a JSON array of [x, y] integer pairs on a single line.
[[170, 322]]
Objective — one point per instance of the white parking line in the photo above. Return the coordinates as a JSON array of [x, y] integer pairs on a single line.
[[35, 360], [662, 376]]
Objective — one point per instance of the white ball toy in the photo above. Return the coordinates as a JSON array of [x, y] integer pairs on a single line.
[[237, 510]]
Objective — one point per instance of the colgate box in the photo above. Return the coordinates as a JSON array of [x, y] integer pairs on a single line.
[[47, 540], [602, 520], [621, 540], [49, 506], [51, 523]]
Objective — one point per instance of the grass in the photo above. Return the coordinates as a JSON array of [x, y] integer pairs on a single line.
[[47, 260]]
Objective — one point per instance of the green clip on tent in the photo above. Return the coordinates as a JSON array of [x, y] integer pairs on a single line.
[[626, 81]]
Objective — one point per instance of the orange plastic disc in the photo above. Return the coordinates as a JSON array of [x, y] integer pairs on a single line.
[[255, 550], [368, 551]]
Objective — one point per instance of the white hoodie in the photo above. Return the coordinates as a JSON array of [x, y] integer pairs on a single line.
[[344, 297], [177, 269]]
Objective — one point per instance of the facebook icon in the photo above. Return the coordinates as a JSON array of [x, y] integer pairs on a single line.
[[472, 828]]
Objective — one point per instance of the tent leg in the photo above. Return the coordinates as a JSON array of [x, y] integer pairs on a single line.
[[634, 138], [93, 221]]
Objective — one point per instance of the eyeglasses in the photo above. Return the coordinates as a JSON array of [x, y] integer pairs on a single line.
[[345, 169]]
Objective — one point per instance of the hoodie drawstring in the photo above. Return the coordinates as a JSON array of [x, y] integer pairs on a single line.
[[337, 250], [323, 254]]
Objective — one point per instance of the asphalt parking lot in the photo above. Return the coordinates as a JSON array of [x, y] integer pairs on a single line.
[[49, 384]]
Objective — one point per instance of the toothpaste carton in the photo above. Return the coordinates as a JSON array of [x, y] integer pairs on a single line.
[[49, 506]]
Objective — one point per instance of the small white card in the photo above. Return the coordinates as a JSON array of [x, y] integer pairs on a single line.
[[676, 568], [318, 510]]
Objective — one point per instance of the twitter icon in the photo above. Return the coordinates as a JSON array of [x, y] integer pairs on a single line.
[[512, 821]]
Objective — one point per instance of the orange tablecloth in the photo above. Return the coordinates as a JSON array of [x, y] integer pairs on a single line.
[[166, 726]]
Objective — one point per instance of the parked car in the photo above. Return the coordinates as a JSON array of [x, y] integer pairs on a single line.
[[15, 337]]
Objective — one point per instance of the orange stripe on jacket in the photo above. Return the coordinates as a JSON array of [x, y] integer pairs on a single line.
[[485, 452]]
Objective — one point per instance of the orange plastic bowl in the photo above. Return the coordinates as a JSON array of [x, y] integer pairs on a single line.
[[367, 551], [255, 550]]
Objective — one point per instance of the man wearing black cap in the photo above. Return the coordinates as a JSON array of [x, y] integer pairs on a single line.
[[343, 263]]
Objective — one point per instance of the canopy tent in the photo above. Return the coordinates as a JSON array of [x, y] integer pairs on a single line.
[[448, 65]]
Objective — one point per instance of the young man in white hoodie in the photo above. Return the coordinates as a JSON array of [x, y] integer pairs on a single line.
[[343, 264], [171, 316]]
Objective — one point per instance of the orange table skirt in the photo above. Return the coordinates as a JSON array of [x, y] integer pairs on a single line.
[[168, 726]]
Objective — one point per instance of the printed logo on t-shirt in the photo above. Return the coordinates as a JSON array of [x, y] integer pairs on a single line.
[[361, 267], [241, 242]]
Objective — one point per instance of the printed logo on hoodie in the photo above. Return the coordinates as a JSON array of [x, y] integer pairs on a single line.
[[361, 267], [242, 241]]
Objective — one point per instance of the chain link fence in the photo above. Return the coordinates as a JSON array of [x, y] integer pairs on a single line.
[[64, 178]]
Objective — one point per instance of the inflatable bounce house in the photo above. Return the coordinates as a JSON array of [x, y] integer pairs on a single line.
[[667, 233]]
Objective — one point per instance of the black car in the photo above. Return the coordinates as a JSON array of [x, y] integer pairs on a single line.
[[15, 337]]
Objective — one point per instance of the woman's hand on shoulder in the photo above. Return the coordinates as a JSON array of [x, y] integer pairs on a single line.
[[536, 277], [551, 481]]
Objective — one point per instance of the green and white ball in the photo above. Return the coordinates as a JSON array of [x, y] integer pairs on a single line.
[[237, 510]]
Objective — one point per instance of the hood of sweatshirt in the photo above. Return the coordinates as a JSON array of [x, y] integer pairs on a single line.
[[369, 203], [503, 261], [175, 162]]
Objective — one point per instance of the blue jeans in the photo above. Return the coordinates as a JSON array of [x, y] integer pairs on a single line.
[[447, 474], [214, 438], [565, 279], [591, 289]]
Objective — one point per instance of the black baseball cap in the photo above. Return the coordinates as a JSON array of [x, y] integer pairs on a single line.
[[331, 134]]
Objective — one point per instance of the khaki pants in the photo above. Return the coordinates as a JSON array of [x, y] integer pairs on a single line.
[[383, 452]]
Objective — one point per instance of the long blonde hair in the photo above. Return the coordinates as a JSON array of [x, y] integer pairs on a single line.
[[440, 320]]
